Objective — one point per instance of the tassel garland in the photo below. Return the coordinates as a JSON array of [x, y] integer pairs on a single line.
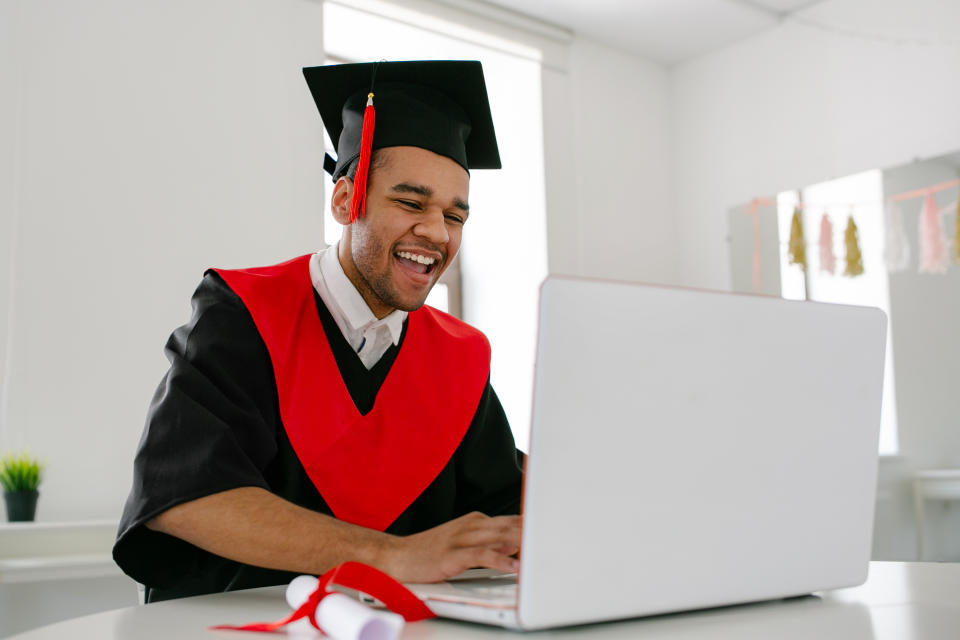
[[797, 249], [854, 257], [933, 242], [896, 250], [828, 261], [358, 205], [939, 244]]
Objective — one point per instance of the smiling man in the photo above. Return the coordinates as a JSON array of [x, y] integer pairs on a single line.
[[315, 411]]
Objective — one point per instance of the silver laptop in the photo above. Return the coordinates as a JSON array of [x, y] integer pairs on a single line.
[[689, 449]]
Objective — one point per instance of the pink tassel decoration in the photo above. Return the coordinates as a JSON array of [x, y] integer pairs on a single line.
[[896, 250], [933, 243], [828, 261]]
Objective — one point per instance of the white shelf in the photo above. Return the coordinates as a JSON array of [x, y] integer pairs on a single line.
[[38, 551], [63, 567]]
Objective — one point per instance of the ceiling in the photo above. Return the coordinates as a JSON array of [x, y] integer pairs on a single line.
[[666, 31]]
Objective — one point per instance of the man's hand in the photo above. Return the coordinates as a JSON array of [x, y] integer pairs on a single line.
[[473, 540]]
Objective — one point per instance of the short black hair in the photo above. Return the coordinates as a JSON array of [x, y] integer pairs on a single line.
[[377, 161]]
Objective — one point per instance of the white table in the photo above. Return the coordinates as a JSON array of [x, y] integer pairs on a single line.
[[933, 484], [900, 601]]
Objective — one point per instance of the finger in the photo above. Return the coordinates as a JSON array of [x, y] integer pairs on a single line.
[[490, 535], [473, 515], [477, 517], [507, 550], [488, 559], [502, 523]]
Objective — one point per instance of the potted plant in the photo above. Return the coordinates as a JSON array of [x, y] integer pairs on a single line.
[[20, 476]]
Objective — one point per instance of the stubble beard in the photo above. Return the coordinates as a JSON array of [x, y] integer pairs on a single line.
[[365, 250]]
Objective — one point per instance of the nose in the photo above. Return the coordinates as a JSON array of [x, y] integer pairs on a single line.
[[432, 226]]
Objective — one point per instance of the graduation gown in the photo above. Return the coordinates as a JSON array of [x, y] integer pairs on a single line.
[[214, 424]]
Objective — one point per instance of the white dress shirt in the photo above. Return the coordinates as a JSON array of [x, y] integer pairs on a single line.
[[368, 336]]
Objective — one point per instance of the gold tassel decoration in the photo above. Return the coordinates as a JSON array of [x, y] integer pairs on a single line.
[[854, 257], [796, 249]]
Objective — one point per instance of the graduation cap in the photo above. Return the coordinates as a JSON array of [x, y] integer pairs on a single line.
[[438, 105]]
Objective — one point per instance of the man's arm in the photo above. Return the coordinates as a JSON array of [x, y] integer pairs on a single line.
[[253, 526]]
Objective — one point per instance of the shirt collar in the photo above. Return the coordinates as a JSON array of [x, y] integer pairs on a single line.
[[351, 304]]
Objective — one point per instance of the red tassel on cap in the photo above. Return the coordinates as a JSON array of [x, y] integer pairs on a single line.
[[358, 205]]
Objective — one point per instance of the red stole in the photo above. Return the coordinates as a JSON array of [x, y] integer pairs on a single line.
[[368, 468]]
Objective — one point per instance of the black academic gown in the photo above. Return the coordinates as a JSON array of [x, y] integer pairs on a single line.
[[214, 424]]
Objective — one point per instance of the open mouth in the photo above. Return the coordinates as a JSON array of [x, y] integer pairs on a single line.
[[416, 262]]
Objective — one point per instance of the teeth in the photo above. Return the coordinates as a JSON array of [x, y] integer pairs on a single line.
[[416, 258]]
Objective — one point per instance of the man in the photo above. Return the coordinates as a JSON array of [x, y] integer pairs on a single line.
[[314, 411]]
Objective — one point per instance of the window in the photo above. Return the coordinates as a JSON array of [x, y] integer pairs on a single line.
[[860, 196]]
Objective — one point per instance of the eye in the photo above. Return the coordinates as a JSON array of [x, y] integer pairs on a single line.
[[410, 204], [454, 218]]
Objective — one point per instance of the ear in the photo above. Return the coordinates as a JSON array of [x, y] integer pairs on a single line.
[[340, 201]]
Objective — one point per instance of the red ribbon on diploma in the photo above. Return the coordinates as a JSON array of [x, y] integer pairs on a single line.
[[351, 575]]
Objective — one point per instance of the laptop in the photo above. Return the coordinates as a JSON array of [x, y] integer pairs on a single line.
[[688, 449]]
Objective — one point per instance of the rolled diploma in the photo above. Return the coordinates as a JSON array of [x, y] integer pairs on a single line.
[[344, 618]]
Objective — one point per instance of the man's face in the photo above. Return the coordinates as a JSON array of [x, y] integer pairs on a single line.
[[415, 211]]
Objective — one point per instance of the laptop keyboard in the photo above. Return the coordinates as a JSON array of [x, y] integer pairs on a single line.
[[497, 590]]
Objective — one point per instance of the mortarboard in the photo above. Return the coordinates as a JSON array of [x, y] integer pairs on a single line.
[[438, 105]]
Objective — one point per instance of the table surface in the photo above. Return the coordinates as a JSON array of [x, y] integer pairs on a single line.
[[900, 600]]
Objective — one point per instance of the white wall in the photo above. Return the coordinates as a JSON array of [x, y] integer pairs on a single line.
[[799, 105], [155, 138], [607, 145], [9, 136]]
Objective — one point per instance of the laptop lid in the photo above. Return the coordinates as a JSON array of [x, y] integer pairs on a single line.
[[693, 449]]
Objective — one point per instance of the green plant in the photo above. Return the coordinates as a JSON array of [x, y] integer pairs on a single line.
[[20, 473]]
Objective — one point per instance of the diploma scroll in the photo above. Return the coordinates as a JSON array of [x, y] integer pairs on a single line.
[[342, 617]]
